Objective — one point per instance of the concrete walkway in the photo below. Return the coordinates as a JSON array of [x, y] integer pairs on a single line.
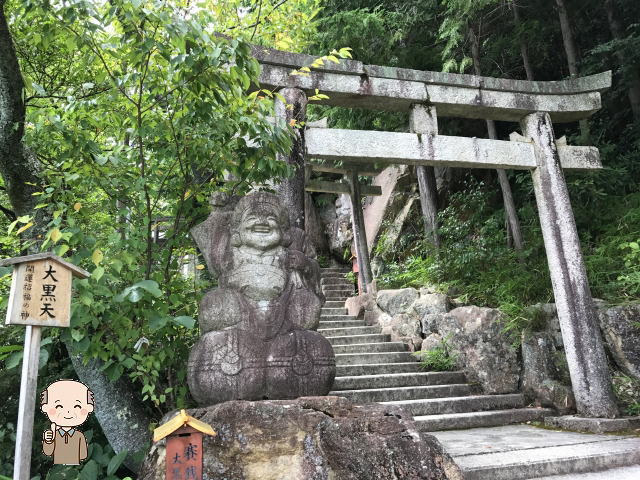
[[516, 452]]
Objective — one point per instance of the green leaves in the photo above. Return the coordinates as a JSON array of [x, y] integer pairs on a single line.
[[136, 292]]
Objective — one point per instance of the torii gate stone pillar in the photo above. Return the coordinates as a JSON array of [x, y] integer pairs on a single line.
[[587, 361]]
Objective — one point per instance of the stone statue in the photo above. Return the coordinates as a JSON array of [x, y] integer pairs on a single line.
[[255, 341]]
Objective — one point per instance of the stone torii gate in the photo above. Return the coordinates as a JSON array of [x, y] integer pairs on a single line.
[[534, 105]]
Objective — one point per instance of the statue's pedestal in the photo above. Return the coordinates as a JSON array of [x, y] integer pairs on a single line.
[[312, 438]]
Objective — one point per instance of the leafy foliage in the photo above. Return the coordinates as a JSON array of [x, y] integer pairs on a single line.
[[441, 358]]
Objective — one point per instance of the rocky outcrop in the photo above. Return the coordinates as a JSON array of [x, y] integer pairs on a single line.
[[540, 375], [620, 328], [483, 350], [336, 222], [312, 438], [401, 313]]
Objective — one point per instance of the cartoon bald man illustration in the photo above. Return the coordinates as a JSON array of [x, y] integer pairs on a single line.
[[67, 403]]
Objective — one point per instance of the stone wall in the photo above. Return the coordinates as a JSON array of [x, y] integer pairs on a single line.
[[424, 318]]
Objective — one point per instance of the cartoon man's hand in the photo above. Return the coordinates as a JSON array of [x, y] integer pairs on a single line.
[[49, 435]]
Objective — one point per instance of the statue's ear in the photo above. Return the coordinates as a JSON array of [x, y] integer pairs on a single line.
[[235, 239], [287, 238]]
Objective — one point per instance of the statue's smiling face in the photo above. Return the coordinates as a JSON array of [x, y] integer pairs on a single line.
[[260, 229]]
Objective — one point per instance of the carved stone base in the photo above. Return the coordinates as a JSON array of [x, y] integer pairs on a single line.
[[233, 365]]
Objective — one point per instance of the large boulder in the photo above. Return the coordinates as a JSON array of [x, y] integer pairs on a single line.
[[398, 301], [620, 327], [312, 438], [540, 374], [404, 328], [431, 304], [483, 351]]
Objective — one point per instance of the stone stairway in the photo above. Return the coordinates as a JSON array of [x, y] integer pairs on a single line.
[[475, 429], [372, 368]]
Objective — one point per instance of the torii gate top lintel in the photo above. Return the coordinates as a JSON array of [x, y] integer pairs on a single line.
[[351, 83]]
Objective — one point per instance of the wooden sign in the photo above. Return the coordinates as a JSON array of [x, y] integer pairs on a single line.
[[184, 454], [41, 290], [40, 297], [184, 446]]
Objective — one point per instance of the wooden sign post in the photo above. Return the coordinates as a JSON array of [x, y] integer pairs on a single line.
[[40, 297], [184, 446]]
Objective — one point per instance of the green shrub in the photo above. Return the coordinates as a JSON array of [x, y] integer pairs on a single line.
[[439, 359]]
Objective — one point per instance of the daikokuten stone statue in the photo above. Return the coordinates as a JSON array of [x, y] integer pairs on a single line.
[[256, 343]]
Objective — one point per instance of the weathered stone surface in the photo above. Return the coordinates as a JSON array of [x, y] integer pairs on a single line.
[[621, 330], [593, 425], [336, 220], [540, 375], [403, 328], [312, 438], [255, 342], [483, 351], [583, 344], [430, 303], [441, 150], [430, 322], [432, 341], [357, 306], [313, 226], [458, 100], [398, 301]]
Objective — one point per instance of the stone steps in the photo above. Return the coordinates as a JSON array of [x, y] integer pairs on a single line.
[[371, 347], [515, 452], [334, 304], [341, 299], [365, 358], [471, 403], [336, 281], [403, 393], [621, 473], [491, 418], [324, 312], [388, 380], [337, 292], [351, 339], [340, 323], [554, 460], [373, 368], [338, 332]]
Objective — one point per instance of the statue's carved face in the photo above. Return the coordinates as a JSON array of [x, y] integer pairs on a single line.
[[260, 229]]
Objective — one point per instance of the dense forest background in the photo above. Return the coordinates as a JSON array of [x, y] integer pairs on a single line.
[[118, 120]]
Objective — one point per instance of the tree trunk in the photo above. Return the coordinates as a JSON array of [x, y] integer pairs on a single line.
[[524, 50], [633, 77], [507, 196], [18, 166], [359, 232], [19, 169], [571, 51], [119, 410]]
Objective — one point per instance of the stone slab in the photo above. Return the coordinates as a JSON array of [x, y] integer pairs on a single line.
[[451, 99], [455, 421], [441, 150], [397, 394], [597, 82], [478, 441], [471, 403], [397, 380], [622, 473], [593, 425]]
